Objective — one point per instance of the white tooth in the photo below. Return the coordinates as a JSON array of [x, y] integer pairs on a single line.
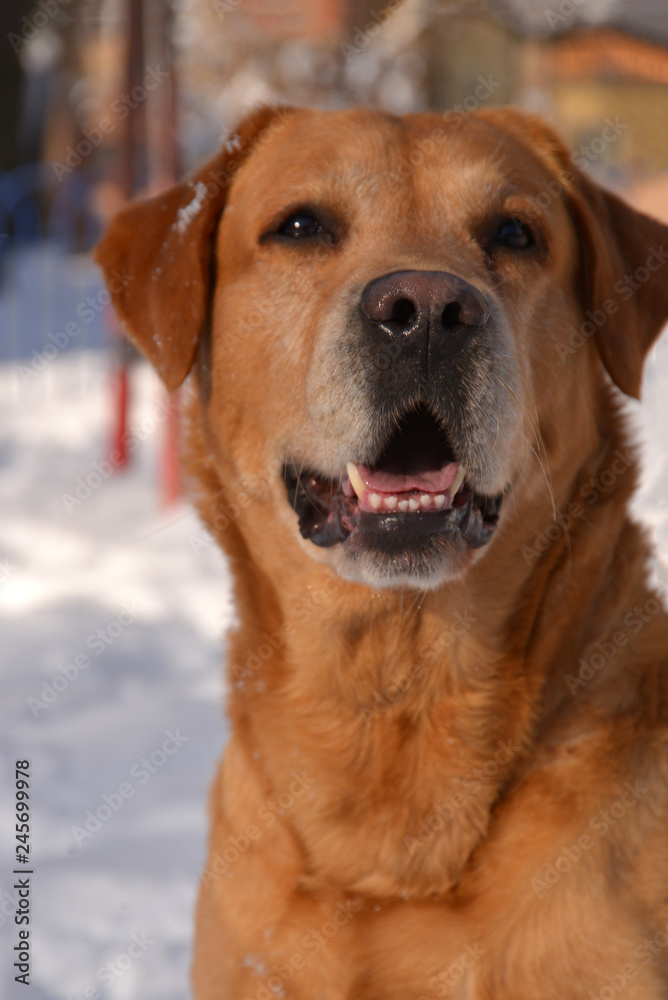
[[439, 500], [459, 479], [390, 502], [374, 500], [425, 500], [356, 480], [403, 505], [414, 504]]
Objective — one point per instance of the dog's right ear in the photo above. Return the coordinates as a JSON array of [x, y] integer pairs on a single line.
[[156, 254]]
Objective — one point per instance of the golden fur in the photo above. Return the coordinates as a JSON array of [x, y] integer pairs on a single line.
[[457, 788]]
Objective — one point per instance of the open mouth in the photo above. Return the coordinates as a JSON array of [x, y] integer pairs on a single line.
[[417, 487]]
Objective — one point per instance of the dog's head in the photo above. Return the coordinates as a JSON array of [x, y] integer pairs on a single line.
[[398, 326]]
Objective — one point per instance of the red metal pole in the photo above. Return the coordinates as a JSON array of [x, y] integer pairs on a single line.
[[119, 444], [163, 170]]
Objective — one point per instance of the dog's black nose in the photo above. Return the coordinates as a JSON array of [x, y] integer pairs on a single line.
[[415, 303]]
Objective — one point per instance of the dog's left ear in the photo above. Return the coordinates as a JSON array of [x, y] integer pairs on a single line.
[[624, 255], [625, 279], [156, 254]]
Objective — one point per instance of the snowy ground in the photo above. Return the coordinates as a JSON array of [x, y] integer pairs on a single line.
[[69, 575], [64, 575]]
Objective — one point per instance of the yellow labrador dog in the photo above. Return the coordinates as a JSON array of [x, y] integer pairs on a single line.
[[407, 343]]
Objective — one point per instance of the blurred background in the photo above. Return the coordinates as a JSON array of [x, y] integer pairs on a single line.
[[113, 601]]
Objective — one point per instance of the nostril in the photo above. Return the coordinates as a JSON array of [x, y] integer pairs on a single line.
[[415, 304], [403, 313], [451, 316]]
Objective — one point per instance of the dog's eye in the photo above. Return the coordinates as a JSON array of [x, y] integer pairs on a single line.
[[304, 224], [515, 234], [301, 225]]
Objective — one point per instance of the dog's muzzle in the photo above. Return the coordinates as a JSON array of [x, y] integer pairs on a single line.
[[414, 492]]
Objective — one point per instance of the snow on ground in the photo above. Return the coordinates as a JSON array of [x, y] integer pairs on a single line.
[[651, 501], [156, 670]]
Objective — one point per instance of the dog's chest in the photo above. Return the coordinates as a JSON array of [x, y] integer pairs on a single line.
[[393, 804]]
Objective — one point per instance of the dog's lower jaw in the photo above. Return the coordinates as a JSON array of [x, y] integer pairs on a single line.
[[406, 571]]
